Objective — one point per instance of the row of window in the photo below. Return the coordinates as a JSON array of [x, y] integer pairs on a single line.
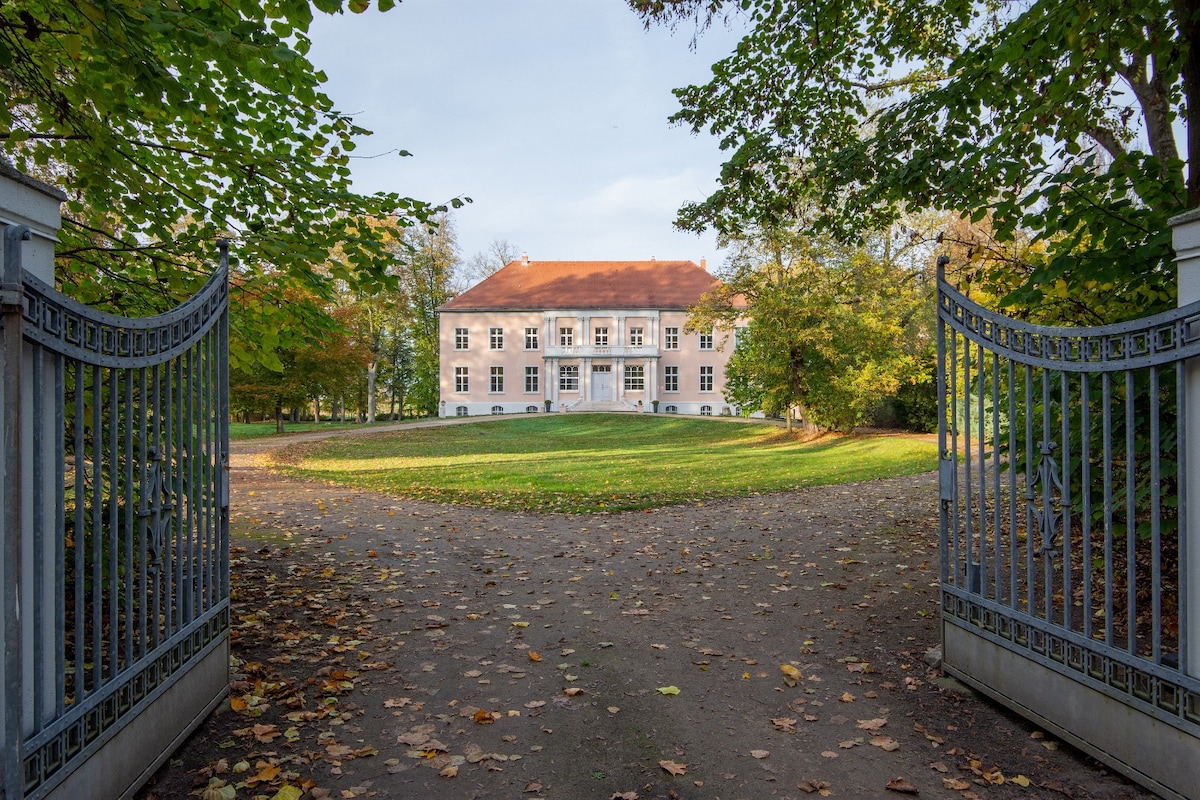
[[566, 338], [705, 411], [568, 379]]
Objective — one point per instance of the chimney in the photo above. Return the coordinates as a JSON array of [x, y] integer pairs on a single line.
[[652, 259], [703, 264], [525, 259]]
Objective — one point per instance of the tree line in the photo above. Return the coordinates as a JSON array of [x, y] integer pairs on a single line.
[[1043, 144]]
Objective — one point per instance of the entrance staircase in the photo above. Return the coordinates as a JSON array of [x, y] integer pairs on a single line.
[[602, 406]]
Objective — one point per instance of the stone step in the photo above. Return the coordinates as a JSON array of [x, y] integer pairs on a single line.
[[603, 406]]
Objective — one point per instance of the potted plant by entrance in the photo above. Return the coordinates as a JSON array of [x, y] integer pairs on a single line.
[[547, 402], [654, 406]]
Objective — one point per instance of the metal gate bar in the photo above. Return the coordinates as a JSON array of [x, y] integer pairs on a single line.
[[126, 447], [1062, 467]]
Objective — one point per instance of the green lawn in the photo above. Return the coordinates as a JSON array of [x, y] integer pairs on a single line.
[[263, 430], [587, 463]]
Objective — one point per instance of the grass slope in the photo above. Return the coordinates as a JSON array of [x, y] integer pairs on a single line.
[[595, 462]]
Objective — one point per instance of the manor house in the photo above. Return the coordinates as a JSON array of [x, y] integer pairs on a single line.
[[582, 336]]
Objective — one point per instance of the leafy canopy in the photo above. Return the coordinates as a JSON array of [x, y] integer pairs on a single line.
[[170, 124], [1054, 117], [829, 328]]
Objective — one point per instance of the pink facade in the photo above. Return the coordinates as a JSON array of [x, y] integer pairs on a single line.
[[498, 357]]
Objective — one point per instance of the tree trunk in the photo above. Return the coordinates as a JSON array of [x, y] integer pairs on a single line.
[[1188, 14], [278, 418], [372, 371]]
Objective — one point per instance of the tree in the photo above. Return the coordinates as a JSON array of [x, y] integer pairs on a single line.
[[429, 259], [173, 124], [1054, 117], [832, 329], [486, 263]]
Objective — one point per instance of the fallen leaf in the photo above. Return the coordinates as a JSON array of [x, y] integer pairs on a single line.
[[673, 768], [885, 743], [1021, 781], [760, 754], [668, 690], [812, 786], [624, 796], [903, 786], [847, 697], [483, 717], [791, 675], [450, 771], [872, 724], [785, 724], [288, 792], [955, 783], [572, 691], [534, 655]]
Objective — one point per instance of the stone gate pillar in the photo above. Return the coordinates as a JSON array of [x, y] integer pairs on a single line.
[[1185, 232]]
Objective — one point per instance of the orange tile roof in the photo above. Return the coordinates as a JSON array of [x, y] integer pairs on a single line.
[[537, 285]]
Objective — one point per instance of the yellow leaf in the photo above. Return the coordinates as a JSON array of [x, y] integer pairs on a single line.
[[534, 655], [288, 792], [668, 690], [1021, 781], [791, 675]]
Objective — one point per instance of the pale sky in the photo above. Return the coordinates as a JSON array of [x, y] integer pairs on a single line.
[[550, 114]]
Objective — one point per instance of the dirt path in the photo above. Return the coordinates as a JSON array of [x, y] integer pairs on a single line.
[[399, 649]]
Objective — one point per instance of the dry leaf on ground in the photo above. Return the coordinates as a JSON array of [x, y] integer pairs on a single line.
[[902, 786]]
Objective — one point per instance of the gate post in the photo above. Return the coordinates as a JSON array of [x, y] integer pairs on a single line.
[[1185, 234], [29, 219]]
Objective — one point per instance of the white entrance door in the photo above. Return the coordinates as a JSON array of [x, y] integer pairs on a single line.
[[602, 383]]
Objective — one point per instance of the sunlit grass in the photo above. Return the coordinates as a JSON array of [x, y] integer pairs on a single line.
[[589, 463]]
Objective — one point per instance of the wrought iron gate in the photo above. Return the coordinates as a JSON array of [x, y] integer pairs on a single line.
[[116, 531], [1063, 562]]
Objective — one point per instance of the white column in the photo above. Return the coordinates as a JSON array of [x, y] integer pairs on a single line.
[[651, 390], [619, 378], [585, 380], [1185, 231]]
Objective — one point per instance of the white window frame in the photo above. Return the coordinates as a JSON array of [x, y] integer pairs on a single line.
[[706, 411], [637, 337], [635, 378], [462, 339], [495, 338], [600, 336], [496, 380], [533, 380], [462, 380], [568, 378], [531, 338], [671, 338], [707, 378], [706, 340], [566, 337], [671, 379]]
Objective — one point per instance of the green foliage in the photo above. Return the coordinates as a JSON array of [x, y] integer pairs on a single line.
[[617, 462], [170, 125], [428, 270], [831, 329], [1052, 117]]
